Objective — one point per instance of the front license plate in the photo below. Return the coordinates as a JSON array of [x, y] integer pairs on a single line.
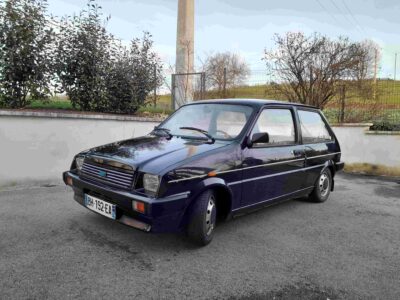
[[102, 207]]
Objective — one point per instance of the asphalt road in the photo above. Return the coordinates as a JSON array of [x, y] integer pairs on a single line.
[[346, 248]]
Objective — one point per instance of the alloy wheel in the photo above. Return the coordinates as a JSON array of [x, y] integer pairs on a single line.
[[209, 215], [324, 184]]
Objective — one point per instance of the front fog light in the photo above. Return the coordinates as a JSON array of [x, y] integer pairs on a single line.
[[151, 183], [79, 162]]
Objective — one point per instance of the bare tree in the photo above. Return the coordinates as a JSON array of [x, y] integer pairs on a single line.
[[363, 84], [370, 56], [364, 79], [311, 68], [217, 64]]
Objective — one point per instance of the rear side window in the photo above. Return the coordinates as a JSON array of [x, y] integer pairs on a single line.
[[313, 128], [278, 123]]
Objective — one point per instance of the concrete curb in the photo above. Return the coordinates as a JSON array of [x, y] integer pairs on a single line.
[[380, 132], [351, 124], [45, 114]]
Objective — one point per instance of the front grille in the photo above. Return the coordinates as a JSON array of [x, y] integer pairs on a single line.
[[106, 175]]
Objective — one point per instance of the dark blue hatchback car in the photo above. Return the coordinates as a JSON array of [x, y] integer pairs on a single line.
[[209, 160]]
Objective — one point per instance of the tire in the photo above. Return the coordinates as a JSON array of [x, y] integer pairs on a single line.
[[203, 219], [322, 188]]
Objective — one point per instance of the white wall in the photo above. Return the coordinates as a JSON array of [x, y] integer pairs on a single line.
[[40, 149], [358, 147]]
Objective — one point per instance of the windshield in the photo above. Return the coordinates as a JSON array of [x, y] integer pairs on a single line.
[[221, 121]]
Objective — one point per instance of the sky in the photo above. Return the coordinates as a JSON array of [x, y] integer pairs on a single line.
[[247, 27]]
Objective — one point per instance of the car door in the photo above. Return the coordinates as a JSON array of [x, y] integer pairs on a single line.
[[319, 143], [273, 170]]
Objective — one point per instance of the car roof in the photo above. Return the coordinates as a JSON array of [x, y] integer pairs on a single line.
[[252, 102]]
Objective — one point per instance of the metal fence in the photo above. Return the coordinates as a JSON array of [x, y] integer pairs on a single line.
[[187, 87], [372, 101], [375, 101]]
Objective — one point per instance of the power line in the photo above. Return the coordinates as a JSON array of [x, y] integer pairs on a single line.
[[326, 10], [345, 15], [356, 23], [352, 15]]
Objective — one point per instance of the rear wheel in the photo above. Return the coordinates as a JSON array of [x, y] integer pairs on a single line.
[[204, 215], [322, 187]]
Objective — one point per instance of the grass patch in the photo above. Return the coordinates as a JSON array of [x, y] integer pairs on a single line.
[[372, 169], [52, 104], [65, 104], [164, 101], [7, 185], [358, 109]]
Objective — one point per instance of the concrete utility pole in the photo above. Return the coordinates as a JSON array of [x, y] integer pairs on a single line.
[[395, 66], [375, 72], [183, 90]]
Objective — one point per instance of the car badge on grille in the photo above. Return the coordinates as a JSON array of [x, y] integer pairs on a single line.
[[102, 173]]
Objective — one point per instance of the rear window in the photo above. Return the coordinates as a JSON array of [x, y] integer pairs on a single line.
[[313, 127]]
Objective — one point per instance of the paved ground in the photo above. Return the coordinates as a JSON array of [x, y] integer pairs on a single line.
[[346, 248]]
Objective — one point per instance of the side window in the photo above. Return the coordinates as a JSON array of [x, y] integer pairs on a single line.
[[313, 128], [278, 123], [230, 123]]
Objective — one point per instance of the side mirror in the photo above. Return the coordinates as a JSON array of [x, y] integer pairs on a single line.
[[259, 137]]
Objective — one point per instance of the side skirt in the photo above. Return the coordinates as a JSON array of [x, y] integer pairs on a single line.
[[257, 206]]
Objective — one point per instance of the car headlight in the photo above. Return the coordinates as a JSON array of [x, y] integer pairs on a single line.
[[151, 183], [79, 162]]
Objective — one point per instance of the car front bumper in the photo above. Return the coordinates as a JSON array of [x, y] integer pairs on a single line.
[[161, 214]]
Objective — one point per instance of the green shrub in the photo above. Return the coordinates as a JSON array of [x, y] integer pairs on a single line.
[[135, 73], [25, 56], [385, 126], [97, 72]]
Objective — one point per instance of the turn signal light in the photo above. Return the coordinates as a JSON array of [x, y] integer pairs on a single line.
[[138, 206], [69, 181]]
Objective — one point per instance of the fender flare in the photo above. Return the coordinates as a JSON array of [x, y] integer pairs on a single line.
[[211, 182], [200, 187], [330, 164]]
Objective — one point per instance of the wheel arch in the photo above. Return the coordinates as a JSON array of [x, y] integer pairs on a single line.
[[331, 166], [223, 194]]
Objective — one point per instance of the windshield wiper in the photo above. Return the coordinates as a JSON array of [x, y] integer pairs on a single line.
[[165, 130], [201, 131]]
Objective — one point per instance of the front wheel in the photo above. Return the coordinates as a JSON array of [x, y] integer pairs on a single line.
[[322, 187], [204, 215]]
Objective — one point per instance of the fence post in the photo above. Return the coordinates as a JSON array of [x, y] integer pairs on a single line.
[[224, 87], [375, 72], [155, 87], [342, 103], [173, 91], [203, 85]]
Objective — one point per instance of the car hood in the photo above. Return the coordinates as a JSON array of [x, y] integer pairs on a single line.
[[152, 153]]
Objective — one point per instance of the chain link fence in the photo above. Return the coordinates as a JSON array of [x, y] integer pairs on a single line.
[[354, 103], [187, 87], [374, 101]]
